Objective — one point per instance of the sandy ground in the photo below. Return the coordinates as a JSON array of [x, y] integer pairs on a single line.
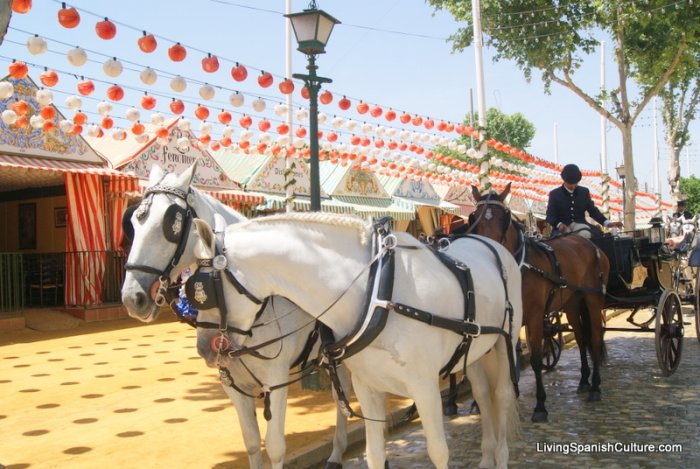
[[125, 394]]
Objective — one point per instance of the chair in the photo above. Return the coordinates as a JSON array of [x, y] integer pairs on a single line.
[[45, 280]]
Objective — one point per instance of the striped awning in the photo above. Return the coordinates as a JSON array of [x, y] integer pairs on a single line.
[[375, 207], [443, 205], [227, 196], [303, 204]]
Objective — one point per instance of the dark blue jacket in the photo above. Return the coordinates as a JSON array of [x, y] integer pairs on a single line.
[[565, 207]]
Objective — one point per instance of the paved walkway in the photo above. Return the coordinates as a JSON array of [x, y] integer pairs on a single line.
[[639, 407]]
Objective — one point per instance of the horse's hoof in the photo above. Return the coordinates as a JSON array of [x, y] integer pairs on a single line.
[[333, 465], [594, 396], [474, 409], [540, 416], [583, 387], [449, 410]]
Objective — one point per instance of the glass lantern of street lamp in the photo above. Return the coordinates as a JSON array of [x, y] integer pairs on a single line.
[[312, 28], [621, 171]]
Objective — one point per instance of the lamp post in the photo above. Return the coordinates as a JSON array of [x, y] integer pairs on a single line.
[[621, 174], [312, 28]]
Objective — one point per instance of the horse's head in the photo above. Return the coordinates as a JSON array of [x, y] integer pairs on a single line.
[[159, 228], [492, 217], [221, 322]]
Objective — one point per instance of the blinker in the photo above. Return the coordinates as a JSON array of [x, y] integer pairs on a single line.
[[173, 223], [200, 290]]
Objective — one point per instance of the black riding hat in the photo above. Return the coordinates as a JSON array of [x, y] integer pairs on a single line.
[[571, 174]]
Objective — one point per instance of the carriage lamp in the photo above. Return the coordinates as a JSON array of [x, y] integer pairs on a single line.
[[312, 28], [656, 232]]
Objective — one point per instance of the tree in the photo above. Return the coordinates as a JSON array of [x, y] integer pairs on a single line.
[[690, 187], [555, 36]]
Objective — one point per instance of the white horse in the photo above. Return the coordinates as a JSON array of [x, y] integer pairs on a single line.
[[168, 206], [321, 262]]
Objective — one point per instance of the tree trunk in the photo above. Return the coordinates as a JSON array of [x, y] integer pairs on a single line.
[[674, 169], [630, 199]]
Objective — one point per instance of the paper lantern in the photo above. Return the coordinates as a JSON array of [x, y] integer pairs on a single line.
[[177, 52], [6, 90], [106, 29], [86, 87], [344, 103], [148, 76], [265, 79], [115, 93], [104, 108], [65, 125], [79, 118], [390, 115], [362, 107], [264, 125], [178, 84], [142, 138], [239, 72], [326, 97], [245, 121], [148, 102], [147, 43], [286, 86], [68, 17], [258, 105], [210, 63], [202, 112], [184, 124], [77, 57], [48, 78], [376, 111], [302, 114], [224, 117], [236, 99], [227, 131], [106, 122], [9, 116], [21, 6], [132, 114], [205, 128], [366, 128], [304, 92], [119, 134], [177, 106], [37, 45], [74, 102], [112, 68], [47, 112], [207, 92], [246, 135], [283, 129], [405, 118], [93, 130], [183, 144], [18, 69], [157, 118], [322, 118]]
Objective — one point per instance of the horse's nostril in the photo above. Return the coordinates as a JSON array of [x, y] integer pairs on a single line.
[[140, 300]]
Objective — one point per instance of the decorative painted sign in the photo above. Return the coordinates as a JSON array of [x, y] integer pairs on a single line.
[[270, 178], [360, 183], [417, 190]]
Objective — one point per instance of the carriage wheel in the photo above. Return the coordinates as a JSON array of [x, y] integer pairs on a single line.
[[552, 341], [669, 332]]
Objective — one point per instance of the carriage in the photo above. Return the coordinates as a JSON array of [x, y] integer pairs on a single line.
[[650, 281]]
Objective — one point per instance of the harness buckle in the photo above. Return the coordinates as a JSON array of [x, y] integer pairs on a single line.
[[389, 242], [478, 329]]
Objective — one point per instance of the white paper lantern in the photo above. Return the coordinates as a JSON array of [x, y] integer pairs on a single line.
[[44, 97], [283, 140], [404, 135], [390, 132], [113, 68], [132, 114], [265, 138], [236, 99], [366, 128], [322, 118], [227, 131], [148, 76], [452, 145], [337, 122], [104, 108], [246, 134], [281, 110], [37, 45], [74, 102], [424, 138], [462, 148], [184, 124], [36, 121], [183, 144], [92, 130], [6, 89], [351, 125], [299, 142], [141, 138], [65, 125], [258, 105], [157, 118], [163, 141], [205, 128], [302, 114], [415, 137], [434, 139], [380, 131], [444, 141], [77, 57], [178, 84], [342, 147], [207, 92]]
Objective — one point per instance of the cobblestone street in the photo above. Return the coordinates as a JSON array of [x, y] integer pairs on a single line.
[[639, 406]]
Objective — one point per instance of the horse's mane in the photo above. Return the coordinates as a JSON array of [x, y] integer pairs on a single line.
[[333, 219]]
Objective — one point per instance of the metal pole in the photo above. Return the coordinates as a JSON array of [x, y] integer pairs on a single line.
[[605, 183], [484, 181], [314, 85], [288, 163]]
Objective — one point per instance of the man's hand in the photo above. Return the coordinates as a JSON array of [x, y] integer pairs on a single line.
[[614, 224], [563, 228]]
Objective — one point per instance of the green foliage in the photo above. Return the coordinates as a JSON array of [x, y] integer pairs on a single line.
[[690, 187]]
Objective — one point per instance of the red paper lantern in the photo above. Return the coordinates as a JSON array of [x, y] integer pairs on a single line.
[[418, 120], [261, 147], [18, 69], [239, 72], [286, 86], [326, 97], [205, 139], [106, 29], [86, 87], [245, 121], [20, 107], [429, 124], [224, 117], [363, 107], [332, 137], [264, 125], [48, 126], [77, 130], [355, 140], [21, 6], [147, 43], [22, 122], [202, 112], [47, 112], [48, 78], [265, 79], [177, 106], [376, 111], [300, 132], [107, 122], [283, 129], [405, 118], [226, 142], [148, 102], [215, 146], [210, 63], [115, 93], [177, 52], [390, 115], [344, 104], [68, 17], [79, 118], [244, 144], [138, 128], [162, 132]]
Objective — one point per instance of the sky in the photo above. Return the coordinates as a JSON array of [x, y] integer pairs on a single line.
[[388, 52]]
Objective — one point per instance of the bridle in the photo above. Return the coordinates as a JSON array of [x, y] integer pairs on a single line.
[[177, 222], [487, 214]]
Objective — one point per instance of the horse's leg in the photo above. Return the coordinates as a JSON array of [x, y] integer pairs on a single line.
[[535, 329], [593, 310], [274, 437], [450, 407], [426, 395], [481, 390], [340, 438], [573, 316], [372, 404], [245, 407]]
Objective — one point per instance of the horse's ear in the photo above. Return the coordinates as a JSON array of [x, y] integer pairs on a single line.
[[476, 194], [205, 246], [156, 175], [505, 192], [185, 179], [219, 223]]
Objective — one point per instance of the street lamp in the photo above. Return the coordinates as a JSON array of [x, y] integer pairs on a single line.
[[621, 173], [312, 28]]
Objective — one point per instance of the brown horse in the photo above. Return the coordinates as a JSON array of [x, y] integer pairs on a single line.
[[567, 273]]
